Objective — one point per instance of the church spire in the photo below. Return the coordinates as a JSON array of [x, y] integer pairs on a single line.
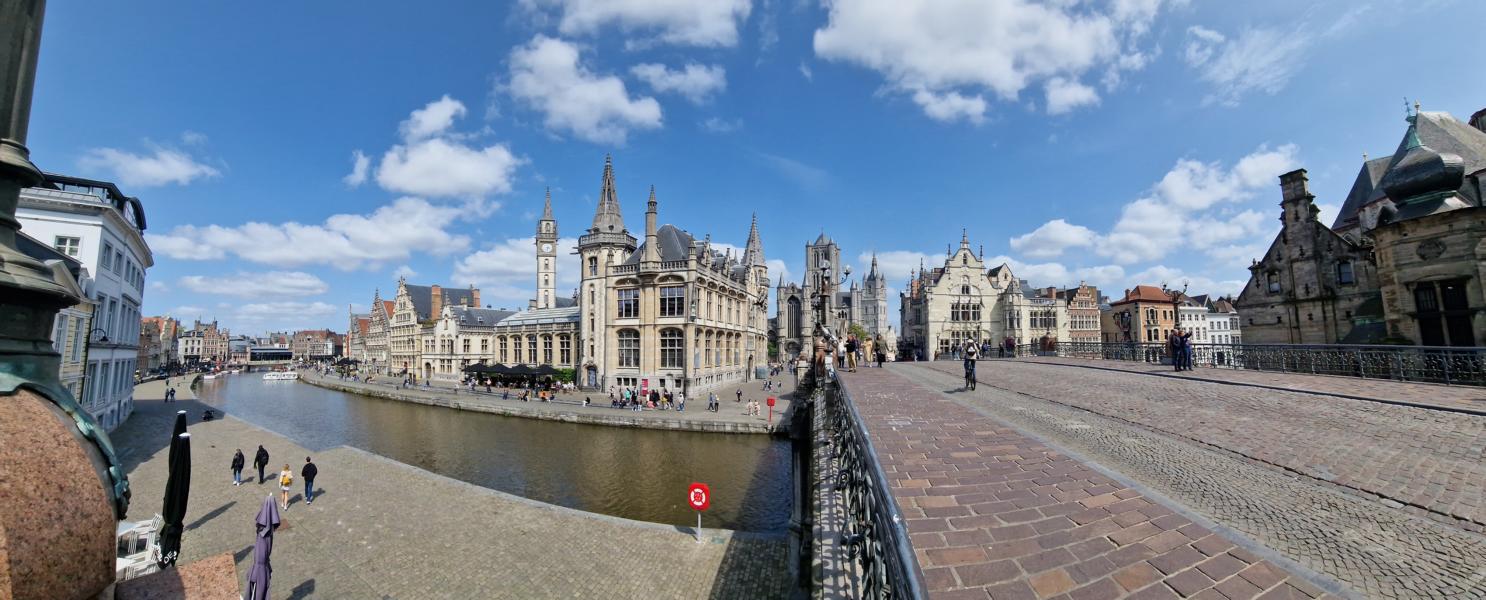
[[547, 207], [607, 218], [753, 253], [652, 241]]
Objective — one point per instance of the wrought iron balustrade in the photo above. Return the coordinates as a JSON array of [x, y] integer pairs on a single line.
[[1433, 364], [875, 533]]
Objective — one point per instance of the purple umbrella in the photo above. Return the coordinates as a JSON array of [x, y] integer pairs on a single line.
[[261, 571]]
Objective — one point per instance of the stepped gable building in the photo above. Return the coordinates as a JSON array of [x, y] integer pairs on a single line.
[[379, 325], [357, 329], [672, 312], [1339, 284], [413, 311], [961, 301]]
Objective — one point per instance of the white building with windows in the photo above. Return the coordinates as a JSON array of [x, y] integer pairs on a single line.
[[95, 223]]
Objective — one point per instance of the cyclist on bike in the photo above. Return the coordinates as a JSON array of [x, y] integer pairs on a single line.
[[970, 352]]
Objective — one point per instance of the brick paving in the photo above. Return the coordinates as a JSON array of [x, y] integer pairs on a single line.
[[1456, 396], [383, 529], [994, 513], [731, 417], [1371, 546], [1429, 459]]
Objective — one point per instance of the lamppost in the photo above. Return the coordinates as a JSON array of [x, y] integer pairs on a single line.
[[687, 336]]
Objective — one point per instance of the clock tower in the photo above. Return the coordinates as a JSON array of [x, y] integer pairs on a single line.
[[547, 257]]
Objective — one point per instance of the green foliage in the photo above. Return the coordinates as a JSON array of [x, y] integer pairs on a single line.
[[773, 349], [565, 375], [857, 330]]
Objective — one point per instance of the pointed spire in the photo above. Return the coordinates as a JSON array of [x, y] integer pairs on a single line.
[[965, 239], [547, 206], [753, 253], [652, 240], [607, 218]]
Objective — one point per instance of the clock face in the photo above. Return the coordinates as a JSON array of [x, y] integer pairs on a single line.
[[546, 247]]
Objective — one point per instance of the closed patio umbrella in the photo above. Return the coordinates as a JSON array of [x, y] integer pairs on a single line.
[[262, 571], [175, 434], [177, 492]]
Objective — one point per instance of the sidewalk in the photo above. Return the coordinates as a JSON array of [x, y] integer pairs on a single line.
[[731, 417], [1466, 398], [993, 512]]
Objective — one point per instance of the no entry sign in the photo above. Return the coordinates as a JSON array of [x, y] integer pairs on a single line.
[[699, 496]]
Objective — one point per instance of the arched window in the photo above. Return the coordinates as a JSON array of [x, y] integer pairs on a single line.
[[672, 349], [707, 352], [629, 348]]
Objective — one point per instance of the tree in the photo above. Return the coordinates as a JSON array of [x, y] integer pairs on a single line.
[[857, 330]]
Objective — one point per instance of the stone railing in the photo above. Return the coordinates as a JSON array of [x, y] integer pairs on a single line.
[[1433, 364]]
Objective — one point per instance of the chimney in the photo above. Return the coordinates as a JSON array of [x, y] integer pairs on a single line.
[[474, 296], [438, 301], [1478, 120], [1294, 186]]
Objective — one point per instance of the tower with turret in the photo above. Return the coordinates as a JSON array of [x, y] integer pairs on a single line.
[[605, 245], [546, 242]]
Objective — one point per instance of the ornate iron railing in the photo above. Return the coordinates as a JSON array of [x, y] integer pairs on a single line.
[[875, 534], [1435, 364]]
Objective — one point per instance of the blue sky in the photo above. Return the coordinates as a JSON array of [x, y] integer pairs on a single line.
[[1116, 142]]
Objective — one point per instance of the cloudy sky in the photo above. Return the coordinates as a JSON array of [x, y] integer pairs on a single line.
[[295, 157]]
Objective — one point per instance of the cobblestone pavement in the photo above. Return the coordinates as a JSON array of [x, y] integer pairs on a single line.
[[1376, 549], [383, 529], [732, 416], [994, 513], [1456, 396], [1428, 459]]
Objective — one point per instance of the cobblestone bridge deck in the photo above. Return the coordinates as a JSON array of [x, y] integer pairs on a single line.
[[1052, 479]]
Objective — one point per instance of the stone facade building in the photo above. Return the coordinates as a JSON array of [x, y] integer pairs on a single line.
[[795, 313], [1083, 311], [1146, 314], [1399, 264], [204, 343], [413, 310], [673, 312], [378, 327], [316, 345], [358, 326], [157, 342], [944, 307]]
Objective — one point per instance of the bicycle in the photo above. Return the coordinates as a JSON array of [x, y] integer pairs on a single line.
[[970, 375]]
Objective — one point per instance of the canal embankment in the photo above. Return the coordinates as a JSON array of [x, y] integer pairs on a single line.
[[380, 528], [732, 417]]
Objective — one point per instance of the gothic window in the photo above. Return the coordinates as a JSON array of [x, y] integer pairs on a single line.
[[503, 356], [673, 301], [672, 348], [707, 351], [1344, 274], [547, 349], [593, 265], [565, 349], [629, 304], [531, 349], [629, 348]]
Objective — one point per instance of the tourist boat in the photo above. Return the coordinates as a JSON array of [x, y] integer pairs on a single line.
[[209, 376], [281, 376]]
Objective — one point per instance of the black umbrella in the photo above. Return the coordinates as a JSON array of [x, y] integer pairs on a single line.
[[177, 491], [175, 435]]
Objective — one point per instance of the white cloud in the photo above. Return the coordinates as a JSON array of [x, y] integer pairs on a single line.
[[963, 47], [1052, 238], [506, 272], [284, 315], [1257, 60], [404, 271], [431, 120], [440, 167], [806, 72], [697, 83], [159, 286], [896, 265], [546, 75], [951, 106], [777, 269], [164, 166], [360, 164], [186, 312], [681, 22], [1064, 95], [720, 125], [1175, 278], [193, 138], [345, 241], [257, 285]]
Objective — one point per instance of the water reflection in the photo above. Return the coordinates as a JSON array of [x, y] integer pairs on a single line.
[[632, 473]]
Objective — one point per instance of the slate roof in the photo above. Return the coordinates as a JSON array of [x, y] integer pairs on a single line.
[[565, 302], [1444, 134], [422, 298], [478, 317], [673, 244], [540, 316]]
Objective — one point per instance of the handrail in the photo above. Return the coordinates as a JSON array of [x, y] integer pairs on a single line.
[[1437, 364], [876, 534]]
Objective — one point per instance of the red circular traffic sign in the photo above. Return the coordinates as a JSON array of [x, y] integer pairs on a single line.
[[699, 496], [771, 401]]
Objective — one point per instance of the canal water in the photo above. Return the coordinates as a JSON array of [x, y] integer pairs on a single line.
[[633, 473]]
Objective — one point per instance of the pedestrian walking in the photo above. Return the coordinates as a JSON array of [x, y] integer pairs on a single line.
[[680, 401], [260, 462], [740, 395], [712, 401], [237, 468], [286, 480], [308, 473]]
